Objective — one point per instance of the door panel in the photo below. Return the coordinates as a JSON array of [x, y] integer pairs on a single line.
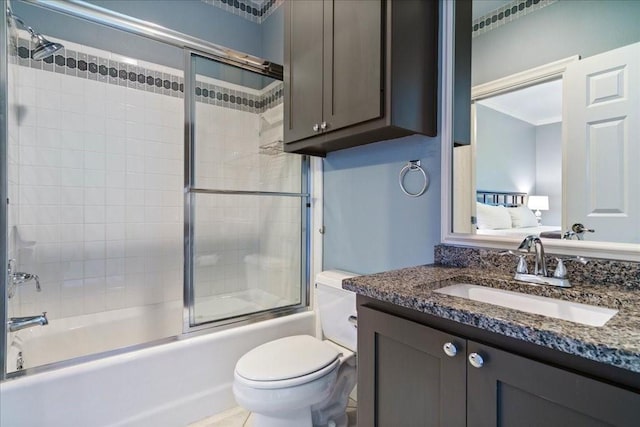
[[404, 376], [602, 145], [352, 62], [513, 391], [303, 68]]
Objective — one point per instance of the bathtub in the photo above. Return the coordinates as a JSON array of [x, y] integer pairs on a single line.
[[66, 338], [70, 337], [171, 384]]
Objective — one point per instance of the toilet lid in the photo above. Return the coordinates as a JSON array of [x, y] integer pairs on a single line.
[[286, 358]]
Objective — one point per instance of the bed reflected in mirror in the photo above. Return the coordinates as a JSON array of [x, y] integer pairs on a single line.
[[554, 137]]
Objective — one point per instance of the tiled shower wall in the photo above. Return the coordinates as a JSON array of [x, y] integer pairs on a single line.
[[99, 210], [241, 242]]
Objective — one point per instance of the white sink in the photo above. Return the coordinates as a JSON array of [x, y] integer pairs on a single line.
[[560, 309]]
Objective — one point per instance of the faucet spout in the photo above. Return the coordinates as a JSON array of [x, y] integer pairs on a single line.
[[17, 323], [534, 242]]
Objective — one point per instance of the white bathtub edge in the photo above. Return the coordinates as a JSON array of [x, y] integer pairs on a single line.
[[167, 385]]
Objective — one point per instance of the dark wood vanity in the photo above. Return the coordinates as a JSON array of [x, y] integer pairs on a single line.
[[405, 377], [430, 359]]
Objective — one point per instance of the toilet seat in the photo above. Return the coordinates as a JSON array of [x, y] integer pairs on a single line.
[[291, 361]]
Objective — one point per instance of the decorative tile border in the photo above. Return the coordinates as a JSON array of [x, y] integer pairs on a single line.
[[252, 10], [82, 65], [507, 13]]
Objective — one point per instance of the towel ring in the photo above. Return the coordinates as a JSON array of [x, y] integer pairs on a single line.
[[413, 165]]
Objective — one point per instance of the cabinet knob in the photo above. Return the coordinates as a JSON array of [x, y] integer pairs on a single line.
[[323, 125], [316, 127], [476, 360], [450, 349]]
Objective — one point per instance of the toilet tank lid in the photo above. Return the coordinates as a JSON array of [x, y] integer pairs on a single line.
[[333, 278]]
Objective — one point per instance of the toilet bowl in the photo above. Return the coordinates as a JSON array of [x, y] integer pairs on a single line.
[[302, 381]]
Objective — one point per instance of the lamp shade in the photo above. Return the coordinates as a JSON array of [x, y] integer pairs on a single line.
[[540, 203]]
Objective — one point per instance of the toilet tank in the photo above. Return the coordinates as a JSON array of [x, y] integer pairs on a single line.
[[335, 306]]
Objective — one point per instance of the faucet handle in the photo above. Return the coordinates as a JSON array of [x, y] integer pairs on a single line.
[[561, 271], [522, 261], [11, 265]]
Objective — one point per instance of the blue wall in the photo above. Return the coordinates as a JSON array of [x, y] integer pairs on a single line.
[[273, 36], [196, 18], [370, 224], [560, 30]]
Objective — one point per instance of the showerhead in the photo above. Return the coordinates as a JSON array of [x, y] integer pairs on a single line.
[[44, 48]]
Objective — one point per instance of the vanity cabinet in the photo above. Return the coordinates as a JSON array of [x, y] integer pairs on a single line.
[[357, 72], [411, 374]]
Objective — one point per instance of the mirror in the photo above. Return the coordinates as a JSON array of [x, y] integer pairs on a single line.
[[554, 137]]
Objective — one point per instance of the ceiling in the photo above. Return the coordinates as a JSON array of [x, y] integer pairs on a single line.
[[538, 105]]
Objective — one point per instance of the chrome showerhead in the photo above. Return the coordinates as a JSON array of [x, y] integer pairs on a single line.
[[44, 48]]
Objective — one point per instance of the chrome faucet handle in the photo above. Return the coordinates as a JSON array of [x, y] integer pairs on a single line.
[[561, 270], [11, 266], [522, 261]]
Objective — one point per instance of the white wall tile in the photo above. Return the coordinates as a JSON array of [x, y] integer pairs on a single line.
[[72, 214], [94, 232], [101, 183]]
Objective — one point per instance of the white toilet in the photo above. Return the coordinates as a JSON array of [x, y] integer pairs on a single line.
[[301, 381]]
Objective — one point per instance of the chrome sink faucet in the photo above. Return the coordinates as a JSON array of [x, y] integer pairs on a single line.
[[535, 242], [17, 323], [541, 273]]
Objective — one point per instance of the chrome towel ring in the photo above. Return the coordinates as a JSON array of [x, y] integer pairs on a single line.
[[413, 165]]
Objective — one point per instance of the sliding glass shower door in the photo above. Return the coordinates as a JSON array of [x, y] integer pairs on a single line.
[[246, 202]]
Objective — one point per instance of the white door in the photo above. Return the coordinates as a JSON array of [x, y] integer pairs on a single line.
[[601, 145]]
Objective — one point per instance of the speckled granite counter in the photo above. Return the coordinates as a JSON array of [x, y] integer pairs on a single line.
[[616, 343]]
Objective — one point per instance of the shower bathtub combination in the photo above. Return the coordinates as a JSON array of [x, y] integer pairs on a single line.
[[155, 230]]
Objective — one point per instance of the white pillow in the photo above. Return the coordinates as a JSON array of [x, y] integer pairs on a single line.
[[522, 216], [492, 217]]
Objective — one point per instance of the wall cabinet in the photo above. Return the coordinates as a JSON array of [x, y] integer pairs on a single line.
[[410, 374], [358, 72]]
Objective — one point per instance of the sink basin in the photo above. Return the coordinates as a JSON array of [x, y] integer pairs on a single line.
[[559, 309]]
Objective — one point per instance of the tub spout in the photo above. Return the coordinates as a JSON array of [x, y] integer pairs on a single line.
[[17, 323]]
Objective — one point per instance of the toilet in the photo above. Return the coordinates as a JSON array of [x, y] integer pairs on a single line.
[[302, 381]]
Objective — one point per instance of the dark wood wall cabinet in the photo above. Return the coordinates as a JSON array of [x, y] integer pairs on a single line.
[[410, 374], [357, 72]]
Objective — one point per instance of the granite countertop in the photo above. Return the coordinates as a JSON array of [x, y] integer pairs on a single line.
[[616, 343]]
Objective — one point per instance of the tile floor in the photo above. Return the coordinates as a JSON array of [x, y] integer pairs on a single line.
[[238, 417]]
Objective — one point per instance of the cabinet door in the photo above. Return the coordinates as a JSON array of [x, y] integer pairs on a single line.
[[404, 376], [510, 390], [353, 84], [303, 68]]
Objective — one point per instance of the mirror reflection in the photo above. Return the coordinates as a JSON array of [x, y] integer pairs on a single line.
[[555, 134]]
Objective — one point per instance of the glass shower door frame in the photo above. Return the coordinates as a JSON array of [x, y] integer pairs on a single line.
[[4, 138], [191, 190]]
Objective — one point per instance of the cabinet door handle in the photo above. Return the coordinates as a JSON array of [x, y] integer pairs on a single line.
[[476, 360], [323, 125], [316, 127], [450, 349]]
